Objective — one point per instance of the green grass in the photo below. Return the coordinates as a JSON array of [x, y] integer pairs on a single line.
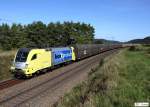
[[122, 80], [5, 63]]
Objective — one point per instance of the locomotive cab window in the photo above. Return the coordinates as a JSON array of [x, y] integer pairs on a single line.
[[34, 57], [21, 56]]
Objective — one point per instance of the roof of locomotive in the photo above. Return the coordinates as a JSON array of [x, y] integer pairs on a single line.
[[25, 49]]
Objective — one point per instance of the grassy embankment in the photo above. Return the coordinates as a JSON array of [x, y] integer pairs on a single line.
[[122, 80], [5, 62]]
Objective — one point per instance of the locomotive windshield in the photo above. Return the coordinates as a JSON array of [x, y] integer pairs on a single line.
[[22, 55]]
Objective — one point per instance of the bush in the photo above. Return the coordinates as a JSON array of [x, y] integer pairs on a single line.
[[135, 48], [5, 63], [148, 50], [146, 45], [132, 48]]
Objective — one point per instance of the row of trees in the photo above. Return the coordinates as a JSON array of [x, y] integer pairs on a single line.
[[39, 34]]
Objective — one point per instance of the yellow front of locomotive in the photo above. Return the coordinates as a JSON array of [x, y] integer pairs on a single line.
[[30, 61], [20, 65]]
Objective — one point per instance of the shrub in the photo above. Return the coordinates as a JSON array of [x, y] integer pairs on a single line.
[[135, 48]]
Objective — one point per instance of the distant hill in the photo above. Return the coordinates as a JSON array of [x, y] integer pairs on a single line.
[[104, 41], [146, 40]]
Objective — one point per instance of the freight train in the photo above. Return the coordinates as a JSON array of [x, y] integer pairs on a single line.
[[28, 62]]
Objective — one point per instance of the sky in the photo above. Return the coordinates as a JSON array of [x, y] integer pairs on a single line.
[[120, 20]]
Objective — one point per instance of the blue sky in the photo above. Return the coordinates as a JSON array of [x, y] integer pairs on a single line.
[[121, 20]]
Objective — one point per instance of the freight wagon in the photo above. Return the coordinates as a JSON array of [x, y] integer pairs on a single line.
[[86, 50]]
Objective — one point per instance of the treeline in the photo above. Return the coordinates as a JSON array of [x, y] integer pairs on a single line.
[[41, 35]]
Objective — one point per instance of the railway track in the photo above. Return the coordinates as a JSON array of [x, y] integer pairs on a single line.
[[54, 83], [9, 83]]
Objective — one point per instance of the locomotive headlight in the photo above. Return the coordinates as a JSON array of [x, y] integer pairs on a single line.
[[26, 66], [12, 65]]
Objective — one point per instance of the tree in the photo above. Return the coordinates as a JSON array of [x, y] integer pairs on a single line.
[[18, 38], [36, 34], [39, 35], [5, 38]]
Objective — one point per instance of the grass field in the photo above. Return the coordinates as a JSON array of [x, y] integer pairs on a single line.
[[5, 62], [121, 81]]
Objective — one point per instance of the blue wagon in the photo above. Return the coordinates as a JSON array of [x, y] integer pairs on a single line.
[[61, 55]]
